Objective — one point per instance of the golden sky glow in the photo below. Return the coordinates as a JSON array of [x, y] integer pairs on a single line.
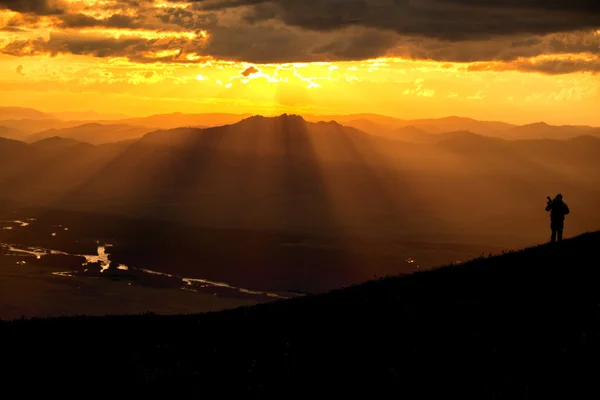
[[170, 75]]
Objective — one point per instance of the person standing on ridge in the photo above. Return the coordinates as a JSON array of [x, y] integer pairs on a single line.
[[558, 209]]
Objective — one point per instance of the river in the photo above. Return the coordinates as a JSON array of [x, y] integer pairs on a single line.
[[124, 272]]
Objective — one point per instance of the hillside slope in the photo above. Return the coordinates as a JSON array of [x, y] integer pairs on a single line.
[[520, 325]]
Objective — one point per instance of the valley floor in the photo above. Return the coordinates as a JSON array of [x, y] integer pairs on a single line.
[[57, 263]]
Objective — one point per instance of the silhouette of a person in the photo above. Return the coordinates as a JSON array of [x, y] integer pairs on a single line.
[[558, 209]]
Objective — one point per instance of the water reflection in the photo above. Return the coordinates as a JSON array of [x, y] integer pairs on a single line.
[[64, 274], [37, 253], [101, 258]]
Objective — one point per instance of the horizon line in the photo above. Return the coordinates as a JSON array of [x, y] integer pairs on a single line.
[[304, 115]]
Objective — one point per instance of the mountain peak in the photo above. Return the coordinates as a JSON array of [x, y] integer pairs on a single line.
[[282, 117], [455, 118], [291, 117], [540, 124]]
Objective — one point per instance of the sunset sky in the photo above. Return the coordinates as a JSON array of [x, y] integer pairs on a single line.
[[518, 61]]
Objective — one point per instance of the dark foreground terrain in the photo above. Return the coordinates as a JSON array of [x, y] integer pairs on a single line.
[[519, 325]]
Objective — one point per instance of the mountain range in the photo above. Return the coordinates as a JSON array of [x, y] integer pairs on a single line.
[[30, 125], [287, 173], [94, 133], [307, 206]]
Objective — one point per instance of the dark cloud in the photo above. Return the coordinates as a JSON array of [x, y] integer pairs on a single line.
[[357, 46], [187, 19], [260, 44], [137, 49], [22, 48], [222, 4], [548, 66], [12, 29], [543, 5], [501, 49], [250, 70], [85, 21], [39, 7], [441, 19], [80, 45], [274, 31]]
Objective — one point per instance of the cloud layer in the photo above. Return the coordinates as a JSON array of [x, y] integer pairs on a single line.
[[440, 19], [276, 31]]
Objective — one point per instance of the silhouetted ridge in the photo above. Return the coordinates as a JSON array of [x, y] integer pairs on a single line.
[[469, 140], [586, 139], [282, 119], [256, 126], [54, 143], [462, 136], [94, 133], [12, 144], [537, 125], [11, 133]]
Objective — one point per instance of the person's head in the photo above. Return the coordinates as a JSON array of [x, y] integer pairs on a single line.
[[558, 197]]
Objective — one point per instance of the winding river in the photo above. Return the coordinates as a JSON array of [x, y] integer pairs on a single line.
[[102, 259]]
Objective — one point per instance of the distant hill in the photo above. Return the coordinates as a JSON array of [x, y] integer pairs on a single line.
[[22, 113], [542, 130], [31, 121], [11, 133], [453, 124], [177, 120], [367, 126], [381, 120], [31, 126], [413, 134], [11, 150], [472, 140], [409, 133], [416, 135], [386, 126], [56, 143], [35, 122], [86, 116], [95, 133], [519, 325]]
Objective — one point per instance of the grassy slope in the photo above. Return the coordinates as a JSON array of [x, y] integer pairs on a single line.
[[520, 325]]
